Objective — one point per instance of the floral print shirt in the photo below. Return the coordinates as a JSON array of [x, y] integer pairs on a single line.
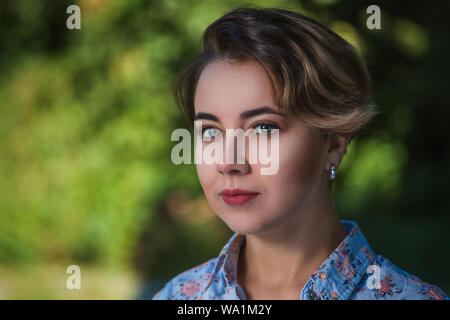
[[352, 271]]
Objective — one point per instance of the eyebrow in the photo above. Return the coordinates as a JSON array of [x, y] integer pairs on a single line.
[[244, 115]]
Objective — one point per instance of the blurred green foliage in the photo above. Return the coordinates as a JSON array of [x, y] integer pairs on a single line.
[[86, 118]]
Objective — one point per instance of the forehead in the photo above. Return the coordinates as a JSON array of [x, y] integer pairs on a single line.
[[228, 89]]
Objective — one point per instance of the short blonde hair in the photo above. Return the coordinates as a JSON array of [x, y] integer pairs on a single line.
[[316, 76]]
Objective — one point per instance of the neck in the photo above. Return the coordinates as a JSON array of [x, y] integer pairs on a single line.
[[293, 251]]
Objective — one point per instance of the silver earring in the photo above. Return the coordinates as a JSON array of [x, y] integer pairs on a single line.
[[333, 172]]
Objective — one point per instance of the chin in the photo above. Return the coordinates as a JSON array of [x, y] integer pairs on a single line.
[[245, 225]]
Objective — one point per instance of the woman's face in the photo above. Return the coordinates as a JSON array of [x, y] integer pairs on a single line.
[[226, 91]]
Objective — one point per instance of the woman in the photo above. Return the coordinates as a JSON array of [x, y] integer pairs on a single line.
[[273, 70]]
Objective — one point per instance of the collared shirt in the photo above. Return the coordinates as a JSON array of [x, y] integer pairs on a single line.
[[352, 271]]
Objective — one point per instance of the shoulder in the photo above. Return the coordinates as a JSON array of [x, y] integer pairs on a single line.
[[186, 285], [386, 281]]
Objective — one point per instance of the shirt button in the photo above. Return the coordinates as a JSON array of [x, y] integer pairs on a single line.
[[312, 295]]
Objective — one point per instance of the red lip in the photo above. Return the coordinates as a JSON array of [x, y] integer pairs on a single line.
[[237, 196]]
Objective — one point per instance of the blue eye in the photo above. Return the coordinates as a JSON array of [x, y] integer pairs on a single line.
[[210, 132], [267, 128]]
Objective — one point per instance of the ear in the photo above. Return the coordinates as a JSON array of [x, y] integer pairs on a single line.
[[337, 146]]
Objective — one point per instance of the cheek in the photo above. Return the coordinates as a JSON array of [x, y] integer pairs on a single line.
[[206, 174], [300, 164], [208, 178]]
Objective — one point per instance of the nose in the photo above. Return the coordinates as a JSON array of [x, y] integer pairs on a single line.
[[233, 168]]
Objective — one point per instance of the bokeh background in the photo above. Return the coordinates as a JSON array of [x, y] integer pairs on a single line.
[[85, 121]]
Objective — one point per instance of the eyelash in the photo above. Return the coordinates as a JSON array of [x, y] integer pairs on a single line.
[[273, 126]]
